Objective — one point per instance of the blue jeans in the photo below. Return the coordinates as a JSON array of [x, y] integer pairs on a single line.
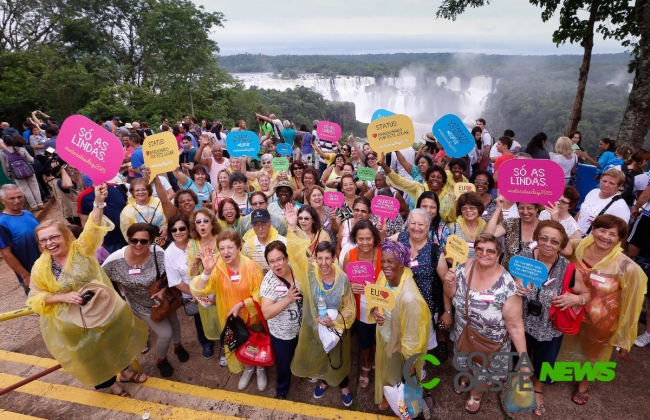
[[199, 331], [284, 351]]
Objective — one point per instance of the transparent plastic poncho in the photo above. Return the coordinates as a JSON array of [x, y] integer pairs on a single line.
[[212, 330], [97, 354], [414, 189]]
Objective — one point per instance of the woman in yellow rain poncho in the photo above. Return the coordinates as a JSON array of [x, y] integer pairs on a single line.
[[617, 286], [403, 331], [310, 359], [92, 355], [436, 181], [235, 281]]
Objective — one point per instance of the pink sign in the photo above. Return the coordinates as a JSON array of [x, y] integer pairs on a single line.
[[385, 207], [531, 181], [328, 131], [90, 148], [361, 272], [333, 199]]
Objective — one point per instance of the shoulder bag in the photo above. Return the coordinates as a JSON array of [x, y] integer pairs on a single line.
[[171, 298], [567, 321], [470, 340]]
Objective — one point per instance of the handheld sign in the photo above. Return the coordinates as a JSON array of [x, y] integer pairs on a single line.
[[454, 137], [160, 153], [361, 272], [90, 148], [280, 164], [391, 134], [531, 181], [243, 143], [456, 249], [283, 149], [333, 199], [366, 174], [328, 131], [381, 113], [381, 297], [463, 187], [528, 270], [384, 207]]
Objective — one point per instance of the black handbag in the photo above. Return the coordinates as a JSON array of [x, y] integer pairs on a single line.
[[234, 333]]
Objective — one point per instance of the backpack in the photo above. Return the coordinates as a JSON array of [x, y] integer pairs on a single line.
[[18, 166], [627, 190]]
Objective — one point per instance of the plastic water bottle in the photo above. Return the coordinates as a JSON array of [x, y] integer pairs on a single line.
[[322, 307]]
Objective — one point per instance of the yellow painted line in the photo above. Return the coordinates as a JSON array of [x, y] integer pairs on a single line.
[[108, 401], [10, 415], [219, 394]]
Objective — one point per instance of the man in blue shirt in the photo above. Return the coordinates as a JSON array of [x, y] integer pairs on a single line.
[[51, 133], [137, 159], [17, 238]]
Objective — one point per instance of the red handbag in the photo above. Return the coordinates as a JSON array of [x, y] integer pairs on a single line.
[[567, 321], [257, 350]]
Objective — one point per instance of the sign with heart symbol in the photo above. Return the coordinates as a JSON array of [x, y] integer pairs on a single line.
[[160, 153], [395, 132], [380, 297]]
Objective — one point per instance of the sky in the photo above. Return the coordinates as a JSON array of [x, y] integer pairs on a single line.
[[386, 26]]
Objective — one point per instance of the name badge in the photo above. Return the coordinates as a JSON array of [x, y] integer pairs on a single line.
[[414, 264], [234, 278], [201, 195], [487, 297], [281, 290], [470, 245], [134, 271], [549, 282], [533, 245], [596, 277]]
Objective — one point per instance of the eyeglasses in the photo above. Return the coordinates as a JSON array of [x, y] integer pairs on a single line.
[[258, 203], [52, 238], [228, 210], [483, 250], [135, 241], [199, 221], [304, 218], [481, 182], [468, 208], [566, 203], [372, 158], [360, 211], [266, 162], [546, 239], [278, 261], [179, 229]]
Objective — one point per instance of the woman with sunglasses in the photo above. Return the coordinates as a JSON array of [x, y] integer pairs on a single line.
[[64, 266], [228, 214], [310, 178], [297, 169], [204, 228], [560, 212], [235, 281], [134, 269], [331, 178], [310, 225], [543, 340], [321, 278], [314, 197], [484, 182], [484, 293], [469, 224], [176, 268]]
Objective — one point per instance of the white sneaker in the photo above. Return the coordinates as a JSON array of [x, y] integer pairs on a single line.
[[222, 361], [642, 340], [245, 379], [312, 380], [261, 379]]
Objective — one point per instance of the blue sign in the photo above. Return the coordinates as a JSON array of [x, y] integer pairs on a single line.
[[381, 113], [528, 270], [283, 149], [454, 137], [243, 143]]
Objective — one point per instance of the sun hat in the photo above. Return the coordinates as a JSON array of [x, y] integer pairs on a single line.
[[97, 310]]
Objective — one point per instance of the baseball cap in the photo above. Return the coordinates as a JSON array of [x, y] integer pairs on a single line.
[[260, 215]]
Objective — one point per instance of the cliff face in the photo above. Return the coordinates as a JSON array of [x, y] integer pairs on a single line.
[[342, 113]]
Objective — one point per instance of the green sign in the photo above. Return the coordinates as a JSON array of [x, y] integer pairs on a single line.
[[366, 174], [280, 164]]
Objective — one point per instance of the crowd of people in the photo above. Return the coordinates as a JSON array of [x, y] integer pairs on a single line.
[[262, 246]]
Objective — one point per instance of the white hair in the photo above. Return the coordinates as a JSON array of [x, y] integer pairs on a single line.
[[8, 187], [420, 212], [266, 156], [286, 124]]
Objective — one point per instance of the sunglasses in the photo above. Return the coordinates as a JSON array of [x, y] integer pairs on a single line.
[[135, 241], [199, 221], [304, 218], [257, 203], [180, 229], [483, 250]]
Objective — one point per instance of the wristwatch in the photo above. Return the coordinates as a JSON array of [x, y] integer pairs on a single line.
[[99, 206], [448, 311]]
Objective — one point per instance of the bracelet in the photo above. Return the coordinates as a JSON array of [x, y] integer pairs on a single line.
[[448, 311], [584, 301], [99, 206], [205, 276]]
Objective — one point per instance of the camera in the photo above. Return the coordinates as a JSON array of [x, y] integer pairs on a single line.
[[87, 296], [54, 165]]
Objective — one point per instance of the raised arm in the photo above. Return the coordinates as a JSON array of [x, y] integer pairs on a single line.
[[180, 176], [492, 225], [199, 158], [408, 166]]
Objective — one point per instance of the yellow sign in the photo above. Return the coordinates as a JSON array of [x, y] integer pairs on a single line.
[[160, 153], [390, 134], [381, 297], [456, 249], [463, 187]]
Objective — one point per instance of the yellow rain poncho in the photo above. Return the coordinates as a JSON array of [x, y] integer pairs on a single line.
[[310, 359], [228, 293], [612, 314], [405, 333], [212, 330], [414, 189], [98, 355]]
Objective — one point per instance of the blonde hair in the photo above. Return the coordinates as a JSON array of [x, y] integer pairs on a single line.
[[66, 233], [564, 147], [616, 174]]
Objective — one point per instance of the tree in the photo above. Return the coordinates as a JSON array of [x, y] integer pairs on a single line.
[[613, 17], [636, 120]]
